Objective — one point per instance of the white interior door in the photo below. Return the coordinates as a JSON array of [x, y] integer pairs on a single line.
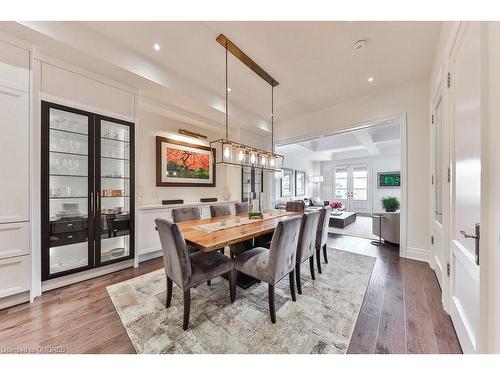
[[466, 184], [352, 187], [437, 245]]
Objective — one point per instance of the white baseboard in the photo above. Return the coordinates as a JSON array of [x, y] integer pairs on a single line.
[[85, 275], [418, 254], [150, 254]]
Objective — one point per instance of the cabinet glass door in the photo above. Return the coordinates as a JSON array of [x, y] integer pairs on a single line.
[[67, 189], [114, 187]]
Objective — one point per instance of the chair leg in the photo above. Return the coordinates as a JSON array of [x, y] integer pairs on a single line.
[[324, 254], [169, 292], [232, 285], [318, 259], [187, 307], [311, 267], [272, 307], [291, 277], [209, 282], [297, 278]]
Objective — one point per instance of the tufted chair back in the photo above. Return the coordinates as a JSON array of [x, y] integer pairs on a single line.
[[284, 247], [175, 255], [307, 236]]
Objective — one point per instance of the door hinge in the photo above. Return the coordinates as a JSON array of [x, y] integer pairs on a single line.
[[449, 80], [432, 119], [432, 179], [449, 174], [432, 240], [448, 269]]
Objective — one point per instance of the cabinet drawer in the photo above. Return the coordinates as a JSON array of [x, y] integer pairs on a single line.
[[68, 225], [14, 240], [67, 238], [14, 276], [14, 67]]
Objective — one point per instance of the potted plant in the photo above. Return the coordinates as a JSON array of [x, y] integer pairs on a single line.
[[391, 204]]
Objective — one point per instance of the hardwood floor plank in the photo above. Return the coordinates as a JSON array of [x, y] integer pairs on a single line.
[[446, 337], [391, 336], [420, 332]]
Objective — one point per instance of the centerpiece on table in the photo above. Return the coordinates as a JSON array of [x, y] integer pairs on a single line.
[[255, 204], [337, 208]]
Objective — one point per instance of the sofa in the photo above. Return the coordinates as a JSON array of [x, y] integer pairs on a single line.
[[390, 227], [311, 204]]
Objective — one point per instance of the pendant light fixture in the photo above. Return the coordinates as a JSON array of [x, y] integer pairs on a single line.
[[228, 152]]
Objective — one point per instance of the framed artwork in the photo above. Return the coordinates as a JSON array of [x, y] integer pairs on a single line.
[[300, 183], [389, 179], [184, 164], [286, 183]]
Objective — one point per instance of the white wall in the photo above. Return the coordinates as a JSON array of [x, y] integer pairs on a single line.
[[296, 162], [150, 126], [411, 99], [383, 163]]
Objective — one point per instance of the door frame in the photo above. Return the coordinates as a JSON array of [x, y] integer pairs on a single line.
[[459, 34], [404, 164]]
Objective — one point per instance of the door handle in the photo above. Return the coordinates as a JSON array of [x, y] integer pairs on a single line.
[[476, 236], [98, 201], [91, 202]]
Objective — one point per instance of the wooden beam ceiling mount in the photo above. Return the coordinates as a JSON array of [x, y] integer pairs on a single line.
[[245, 59]]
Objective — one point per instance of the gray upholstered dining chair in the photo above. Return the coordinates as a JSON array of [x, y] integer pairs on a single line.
[[241, 207], [274, 264], [189, 270], [220, 210], [322, 235], [295, 206], [180, 215], [306, 244]]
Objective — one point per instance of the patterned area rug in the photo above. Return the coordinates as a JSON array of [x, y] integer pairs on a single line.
[[320, 321]]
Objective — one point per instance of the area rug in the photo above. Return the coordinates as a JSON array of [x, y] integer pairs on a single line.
[[362, 227], [320, 321]]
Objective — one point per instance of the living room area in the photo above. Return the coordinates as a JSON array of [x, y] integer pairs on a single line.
[[357, 172]]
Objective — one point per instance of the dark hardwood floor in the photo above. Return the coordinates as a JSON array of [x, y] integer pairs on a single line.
[[401, 312]]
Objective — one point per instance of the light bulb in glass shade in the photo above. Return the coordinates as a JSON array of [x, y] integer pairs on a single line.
[[272, 162], [252, 159], [241, 155], [227, 152], [263, 160]]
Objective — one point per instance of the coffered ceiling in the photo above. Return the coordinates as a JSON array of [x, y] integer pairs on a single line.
[[314, 62]]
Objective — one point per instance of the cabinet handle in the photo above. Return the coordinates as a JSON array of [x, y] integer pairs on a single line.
[[98, 202], [91, 202], [70, 236]]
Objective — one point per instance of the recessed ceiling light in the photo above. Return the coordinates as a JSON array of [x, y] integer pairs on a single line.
[[370, 79], [156, 47], [359, 44]]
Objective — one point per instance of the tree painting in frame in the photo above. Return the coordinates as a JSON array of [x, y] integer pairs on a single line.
[[286, 183], [300, 183], [184, 164]]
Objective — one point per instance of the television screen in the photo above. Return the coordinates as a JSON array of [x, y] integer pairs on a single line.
[[389, 179]]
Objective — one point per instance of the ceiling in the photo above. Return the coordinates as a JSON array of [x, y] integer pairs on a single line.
[[314, 62], [378, 139]]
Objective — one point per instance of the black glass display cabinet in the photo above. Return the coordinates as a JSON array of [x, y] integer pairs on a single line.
[[251, 181], [87, 190]]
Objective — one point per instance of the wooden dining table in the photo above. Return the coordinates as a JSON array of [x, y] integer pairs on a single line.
[[208, 241]]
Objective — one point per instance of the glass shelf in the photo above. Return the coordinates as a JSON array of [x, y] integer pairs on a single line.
[[114, 158], [68, 131], [67, 175], [114, 140], [67, 153], [121, 196], [117, 178], [68, 197]]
